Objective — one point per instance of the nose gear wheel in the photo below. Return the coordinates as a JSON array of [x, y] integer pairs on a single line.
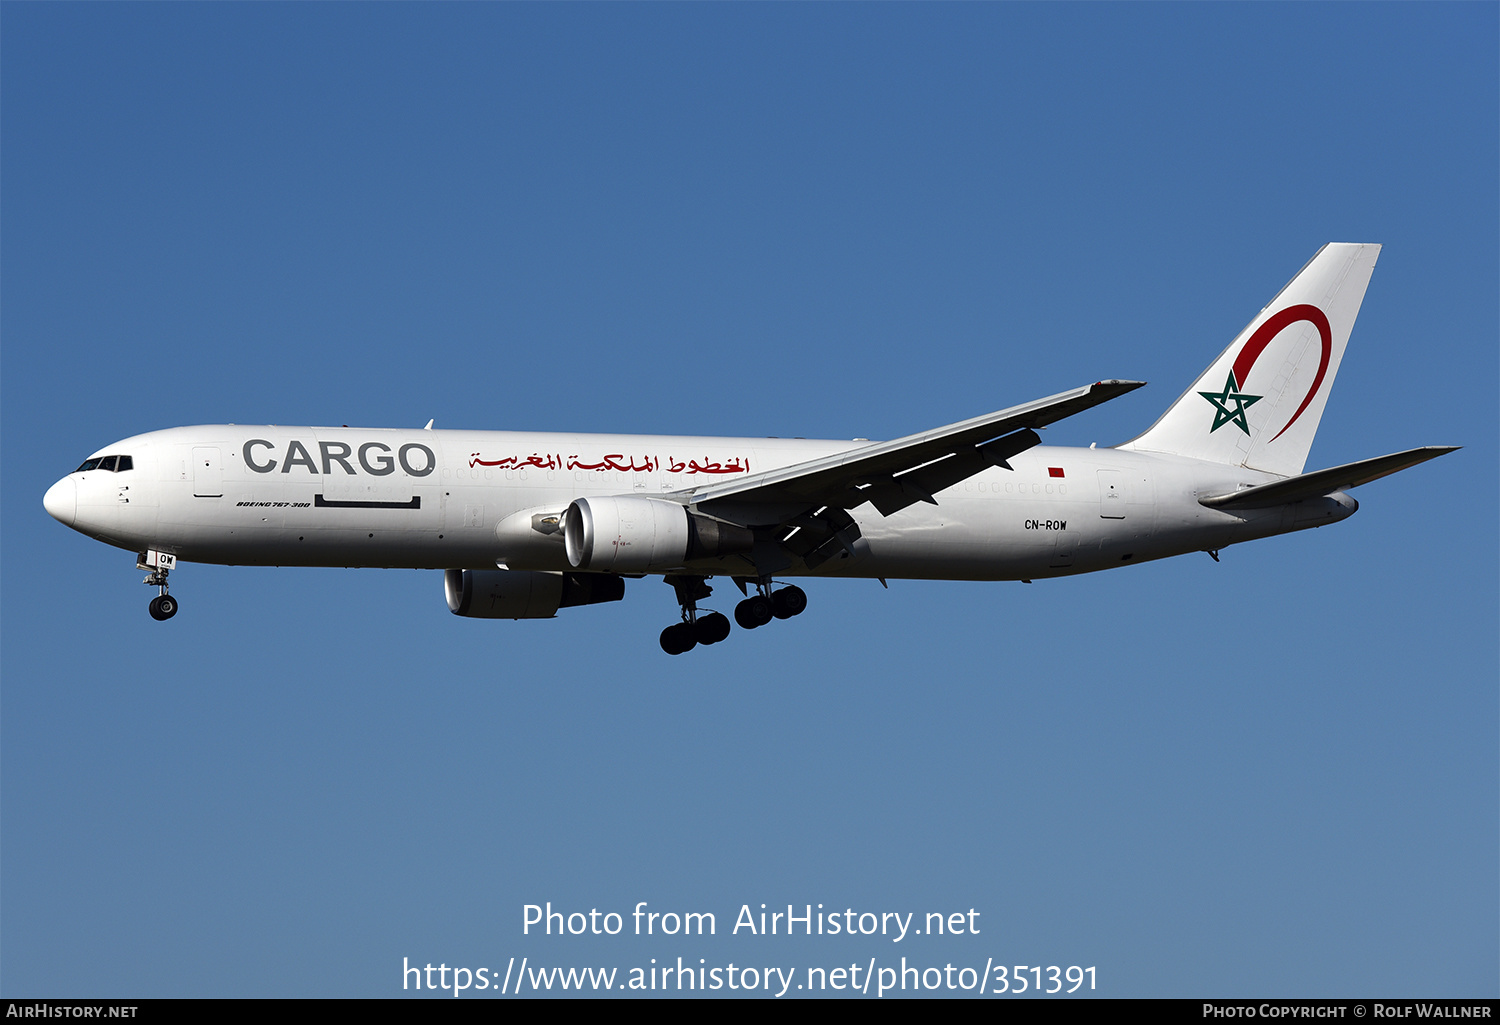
[[163, 606]]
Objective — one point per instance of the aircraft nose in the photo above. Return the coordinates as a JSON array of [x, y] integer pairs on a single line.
[[61, 501]]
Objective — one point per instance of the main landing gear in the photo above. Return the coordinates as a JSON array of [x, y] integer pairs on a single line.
[[695, 629], [163, 606], [759, 609], [710, 628]]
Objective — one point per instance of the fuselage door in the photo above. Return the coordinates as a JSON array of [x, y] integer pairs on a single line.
[[1111, 494], [208, 475], [1064, 550]]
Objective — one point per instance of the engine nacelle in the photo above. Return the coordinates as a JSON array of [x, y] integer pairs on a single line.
[[629, 534], [521, 594]]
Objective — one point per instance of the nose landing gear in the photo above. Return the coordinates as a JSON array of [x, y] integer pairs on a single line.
[[163, 606]]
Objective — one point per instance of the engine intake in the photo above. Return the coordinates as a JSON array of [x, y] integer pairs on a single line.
[[627, 534]]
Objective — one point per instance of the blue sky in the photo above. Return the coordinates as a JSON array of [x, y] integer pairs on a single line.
[[1274, 775]]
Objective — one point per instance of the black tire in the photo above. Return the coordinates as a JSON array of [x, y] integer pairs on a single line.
[[712, 628], [754, 611], [788, 602], [678, 638], [163, 607]]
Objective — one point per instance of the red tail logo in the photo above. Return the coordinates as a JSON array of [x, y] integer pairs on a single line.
[[1273, 327]]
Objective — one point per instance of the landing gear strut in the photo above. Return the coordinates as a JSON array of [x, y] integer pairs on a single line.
[[163, 606], [695, 629]]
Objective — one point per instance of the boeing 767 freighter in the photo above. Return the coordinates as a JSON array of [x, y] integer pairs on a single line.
[[525, 524]]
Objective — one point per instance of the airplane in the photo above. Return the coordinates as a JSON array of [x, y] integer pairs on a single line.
[[525, 524]]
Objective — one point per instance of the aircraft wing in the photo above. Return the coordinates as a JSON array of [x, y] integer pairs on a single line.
[[1324, 482], [894, 474]]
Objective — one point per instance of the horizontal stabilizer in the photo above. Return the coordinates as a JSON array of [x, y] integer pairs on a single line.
[[1325, 482]]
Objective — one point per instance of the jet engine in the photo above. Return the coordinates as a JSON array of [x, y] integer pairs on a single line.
[[630, 534], [521, 594]]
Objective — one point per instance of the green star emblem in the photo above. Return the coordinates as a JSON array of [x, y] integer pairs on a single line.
[[1230, 405]]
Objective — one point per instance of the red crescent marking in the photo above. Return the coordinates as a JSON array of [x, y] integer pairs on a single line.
[[1269, 330]]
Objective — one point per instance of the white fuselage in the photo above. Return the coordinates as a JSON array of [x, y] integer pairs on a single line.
[[304, 496]]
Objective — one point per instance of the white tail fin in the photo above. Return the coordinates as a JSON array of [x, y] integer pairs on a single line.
[[1259, 403]]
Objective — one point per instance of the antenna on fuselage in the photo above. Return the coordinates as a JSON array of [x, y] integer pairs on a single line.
[[429, 424]]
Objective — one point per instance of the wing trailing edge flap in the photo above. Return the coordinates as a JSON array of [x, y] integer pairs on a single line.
[[895, 492], [895, 474], [1325, 482]]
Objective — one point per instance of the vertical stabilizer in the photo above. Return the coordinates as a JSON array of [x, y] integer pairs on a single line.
[[1259, 403]]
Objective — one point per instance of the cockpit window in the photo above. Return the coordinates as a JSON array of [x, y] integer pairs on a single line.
[[112, 463]]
